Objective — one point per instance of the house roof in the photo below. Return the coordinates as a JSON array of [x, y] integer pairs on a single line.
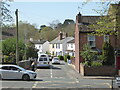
[[72, 41], [38, 41], [57, 40]]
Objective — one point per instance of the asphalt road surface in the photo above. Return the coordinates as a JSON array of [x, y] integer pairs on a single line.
[[58, 76]]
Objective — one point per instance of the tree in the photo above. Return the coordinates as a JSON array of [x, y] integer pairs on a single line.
[[88, 55], [68, 21], [31, 51], [9, 47], [4, 11], [109, 24], [108, 54]]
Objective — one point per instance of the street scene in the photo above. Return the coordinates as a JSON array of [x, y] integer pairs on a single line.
[[59, 76], [59, 45]]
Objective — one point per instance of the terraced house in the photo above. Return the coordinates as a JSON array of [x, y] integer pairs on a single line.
[[59, 45], [82, 36]]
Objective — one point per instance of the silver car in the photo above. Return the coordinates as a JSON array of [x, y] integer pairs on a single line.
[[55, 60], [16, 72]]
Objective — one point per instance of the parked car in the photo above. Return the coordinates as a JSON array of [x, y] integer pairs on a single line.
[[50, 57], [55, 60], [16, 72], [118, 81], [43, 61]]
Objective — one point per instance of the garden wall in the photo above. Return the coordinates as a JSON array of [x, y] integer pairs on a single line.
[[97, 71]]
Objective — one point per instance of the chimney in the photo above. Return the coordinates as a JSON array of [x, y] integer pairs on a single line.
[[60, 36], [31, 39], [79, 18]]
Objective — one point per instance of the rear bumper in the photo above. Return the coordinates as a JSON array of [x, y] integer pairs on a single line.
[[43, 65]]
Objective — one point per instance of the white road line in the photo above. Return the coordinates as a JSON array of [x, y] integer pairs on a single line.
[[51, 72], [34, 86], [77, 81]]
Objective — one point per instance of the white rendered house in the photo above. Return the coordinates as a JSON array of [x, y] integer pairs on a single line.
[[59, 45], [71, 48], [41, 45]]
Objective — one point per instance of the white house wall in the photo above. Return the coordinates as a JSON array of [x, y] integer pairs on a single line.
[[46, 47]]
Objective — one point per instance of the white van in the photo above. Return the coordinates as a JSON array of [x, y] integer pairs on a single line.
[[43, 61]]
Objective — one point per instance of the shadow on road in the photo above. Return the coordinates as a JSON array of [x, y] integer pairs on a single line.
[[20, 80], [53, 67]]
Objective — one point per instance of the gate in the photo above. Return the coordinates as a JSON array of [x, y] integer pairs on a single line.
[[118, 62]]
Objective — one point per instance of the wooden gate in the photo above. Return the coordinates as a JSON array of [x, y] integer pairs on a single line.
[[118, 62]]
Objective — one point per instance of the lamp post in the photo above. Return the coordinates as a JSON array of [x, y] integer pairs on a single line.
[[17, 53]]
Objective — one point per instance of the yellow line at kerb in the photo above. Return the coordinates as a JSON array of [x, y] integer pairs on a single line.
[[108, 85], [34, 86]]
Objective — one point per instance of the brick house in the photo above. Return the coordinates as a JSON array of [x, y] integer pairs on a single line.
[[95, 42]]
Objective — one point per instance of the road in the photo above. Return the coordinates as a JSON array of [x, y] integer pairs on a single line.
[[58, 76]]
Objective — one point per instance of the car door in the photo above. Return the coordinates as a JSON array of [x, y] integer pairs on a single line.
[[15, 72], [5, 72]]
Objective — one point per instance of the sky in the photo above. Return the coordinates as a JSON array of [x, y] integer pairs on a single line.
[[43, 13]]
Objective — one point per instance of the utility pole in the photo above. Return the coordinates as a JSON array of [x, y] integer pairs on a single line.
[[17, 49]]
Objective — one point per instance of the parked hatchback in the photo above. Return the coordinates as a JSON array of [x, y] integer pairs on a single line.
[[55, 60], [16, 72]]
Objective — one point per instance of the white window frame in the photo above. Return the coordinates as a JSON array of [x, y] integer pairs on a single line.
[[91, 40]]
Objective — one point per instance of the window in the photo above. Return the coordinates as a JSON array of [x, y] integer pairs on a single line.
[[58, 46], [5, 68], [71, 45], [40, 59], [106, 38], [53, 53], [91, 40], [52, 45], [13, 68]]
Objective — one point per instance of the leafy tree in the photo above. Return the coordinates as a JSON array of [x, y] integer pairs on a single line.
[[31, 51], [68, 21], [9, 48], [109, 24], [4, 11], [108, 54], [88, 55]]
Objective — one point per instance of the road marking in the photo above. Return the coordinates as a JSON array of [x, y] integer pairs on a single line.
[[34, 86], [108, 85], [51, 72], [77, 81]]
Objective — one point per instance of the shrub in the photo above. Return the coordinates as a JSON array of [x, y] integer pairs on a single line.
[[108, 54], [95, 63], [65, 58], [61, 57]]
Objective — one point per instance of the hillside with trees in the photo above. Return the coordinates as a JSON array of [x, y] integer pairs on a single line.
[[27, 30]]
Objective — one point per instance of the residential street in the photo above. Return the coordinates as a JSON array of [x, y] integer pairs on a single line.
[[58, 76]]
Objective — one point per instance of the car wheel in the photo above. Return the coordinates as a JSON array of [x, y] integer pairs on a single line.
[[25, 77]]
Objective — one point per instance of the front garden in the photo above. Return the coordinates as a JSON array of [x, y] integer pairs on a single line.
[[98, 63]]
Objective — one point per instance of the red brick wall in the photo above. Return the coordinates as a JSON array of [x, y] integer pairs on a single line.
[[77, 46]]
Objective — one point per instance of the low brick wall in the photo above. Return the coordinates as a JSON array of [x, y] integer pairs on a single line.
[[25, 64], [97, 71]]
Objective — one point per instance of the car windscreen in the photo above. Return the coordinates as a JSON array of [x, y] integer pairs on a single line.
[[43, 55]]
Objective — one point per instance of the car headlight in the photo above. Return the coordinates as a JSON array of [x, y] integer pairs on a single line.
[[31, 73], [117, 78]]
